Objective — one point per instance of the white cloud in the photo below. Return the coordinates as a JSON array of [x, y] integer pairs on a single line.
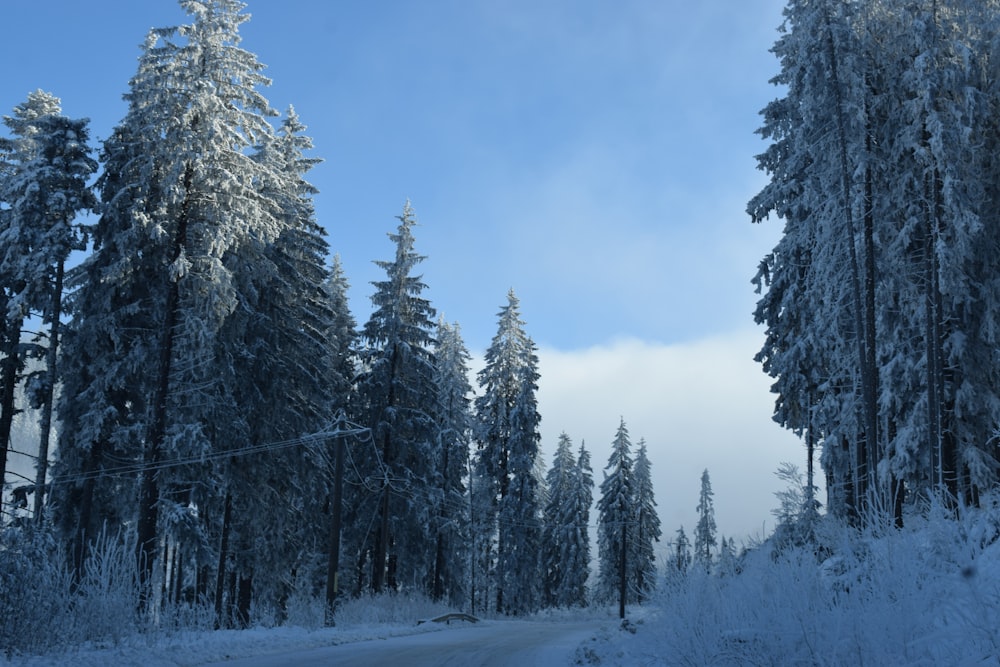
[[698, 405]]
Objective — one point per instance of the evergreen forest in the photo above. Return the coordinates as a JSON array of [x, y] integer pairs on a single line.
[[213, 424], [220, 444]]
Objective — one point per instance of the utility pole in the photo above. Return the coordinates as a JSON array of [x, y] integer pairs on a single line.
[[333, 564], [339, 435]]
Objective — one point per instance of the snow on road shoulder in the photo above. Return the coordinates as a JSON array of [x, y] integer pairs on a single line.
[[186, 649], [192, 648]]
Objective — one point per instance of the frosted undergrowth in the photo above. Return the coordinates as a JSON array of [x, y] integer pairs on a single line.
[[925, 595]]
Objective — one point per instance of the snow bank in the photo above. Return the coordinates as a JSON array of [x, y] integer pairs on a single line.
[[926, 595]]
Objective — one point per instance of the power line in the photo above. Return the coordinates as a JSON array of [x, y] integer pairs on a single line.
[[338, 428]]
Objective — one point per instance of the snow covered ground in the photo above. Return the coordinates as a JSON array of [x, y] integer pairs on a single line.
[[925, 595], [499, 643], [550, 641]]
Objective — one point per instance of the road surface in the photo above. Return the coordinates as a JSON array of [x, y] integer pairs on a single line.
[[485, 644]]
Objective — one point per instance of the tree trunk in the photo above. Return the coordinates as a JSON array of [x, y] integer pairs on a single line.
[[51, 377], [381, 555], [220, 579], [868, 435], [156, 432], [498, 571], [437, 588], [885, 496], [244, 596], [10, 367], [86, 503], [178, 591], [381, 551], [931, 341]]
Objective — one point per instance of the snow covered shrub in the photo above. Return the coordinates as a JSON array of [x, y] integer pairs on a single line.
[[926, 594], [34, 591], [182, 617], [304, 610], [388, 608], [107, 596]]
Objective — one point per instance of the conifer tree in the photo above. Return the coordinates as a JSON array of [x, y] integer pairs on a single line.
[[566, 540], [283, 380], [561, 480], [647, 529], [879, 307], [453, 421], [616, 522], [576, 548], [342, 339], [508, 444], [152, 374], [682, 551], [398, 403], [704, 533], [727, 556], [43, 186]]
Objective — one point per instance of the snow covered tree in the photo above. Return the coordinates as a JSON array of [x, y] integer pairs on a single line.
[[798, 510], [508, 444], [642, 559], [881, 307], [560, 481], [943, 397], [342, 339], [453, 420], [565, 537], [399, 403], [704, 533], [153, 358], [819, 141], [682, 551], [727, 557], [576, 546], [616, 522], [43, 187], [283, 377]]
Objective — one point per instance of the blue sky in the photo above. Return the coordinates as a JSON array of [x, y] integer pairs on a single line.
[[595, 156]]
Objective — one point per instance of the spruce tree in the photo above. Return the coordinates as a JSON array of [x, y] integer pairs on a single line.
[[642, 562], [453, 420], [682, 551], [44, 187], [398, 403], [561, 481], [576, 549], [282, 375], [341, 339], [566, 535], [154, 372], [705, 539], [616, 524], [879, 308], [508, 444]]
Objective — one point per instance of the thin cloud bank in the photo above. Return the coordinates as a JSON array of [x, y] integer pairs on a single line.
[[702, 404]]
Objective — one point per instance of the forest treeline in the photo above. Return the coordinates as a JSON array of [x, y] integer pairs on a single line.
[[881, 300], [217, 409]]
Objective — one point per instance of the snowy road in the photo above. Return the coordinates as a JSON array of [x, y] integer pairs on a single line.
[[499, 643]]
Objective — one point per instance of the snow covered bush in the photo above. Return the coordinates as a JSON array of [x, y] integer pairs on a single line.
[[388, 608], [34, 591], [107, 596], [927, 594], [303, 610]]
